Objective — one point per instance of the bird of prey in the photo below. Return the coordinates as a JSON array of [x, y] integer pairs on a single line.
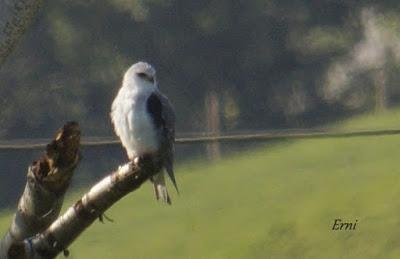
[[144, 120]]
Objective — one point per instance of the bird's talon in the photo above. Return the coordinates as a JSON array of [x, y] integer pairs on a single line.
[[66, 252], [104, 216]]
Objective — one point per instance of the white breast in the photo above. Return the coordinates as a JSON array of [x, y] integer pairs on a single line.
[[133, 124]]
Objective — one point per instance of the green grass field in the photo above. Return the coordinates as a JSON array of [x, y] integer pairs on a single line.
[[279, 201]]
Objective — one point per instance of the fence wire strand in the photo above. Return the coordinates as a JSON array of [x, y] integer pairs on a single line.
[[18, 144]]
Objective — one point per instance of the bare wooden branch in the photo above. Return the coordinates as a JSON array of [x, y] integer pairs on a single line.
[[90, 207], [15, 18], [47, 180]]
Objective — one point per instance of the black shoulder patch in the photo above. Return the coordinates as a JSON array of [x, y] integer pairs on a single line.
[[154, 107]]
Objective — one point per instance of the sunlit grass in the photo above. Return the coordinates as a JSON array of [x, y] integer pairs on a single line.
[[277, 202]]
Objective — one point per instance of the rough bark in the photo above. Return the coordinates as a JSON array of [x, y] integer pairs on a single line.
[[84, 212], [47, 180], [15, 18]]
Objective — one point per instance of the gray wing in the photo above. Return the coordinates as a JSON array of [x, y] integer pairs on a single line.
[[163, 116]]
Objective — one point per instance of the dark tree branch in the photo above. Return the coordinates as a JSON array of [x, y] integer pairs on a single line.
[[35, 232], [84, 212], [47, 181]]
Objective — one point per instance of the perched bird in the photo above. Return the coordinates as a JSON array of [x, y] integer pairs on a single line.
[[144, 120]]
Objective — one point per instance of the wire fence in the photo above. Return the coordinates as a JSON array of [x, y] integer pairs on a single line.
[[21, 144]]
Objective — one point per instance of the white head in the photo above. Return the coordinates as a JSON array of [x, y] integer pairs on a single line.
[[140, 75]]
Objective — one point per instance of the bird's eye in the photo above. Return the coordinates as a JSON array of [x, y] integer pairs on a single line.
[[146, 77], [142, 75]]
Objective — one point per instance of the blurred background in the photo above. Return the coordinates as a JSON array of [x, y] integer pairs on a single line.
[[227, 66]]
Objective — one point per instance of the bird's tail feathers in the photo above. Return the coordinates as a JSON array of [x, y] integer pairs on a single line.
[[171, 175], [160, 188]]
